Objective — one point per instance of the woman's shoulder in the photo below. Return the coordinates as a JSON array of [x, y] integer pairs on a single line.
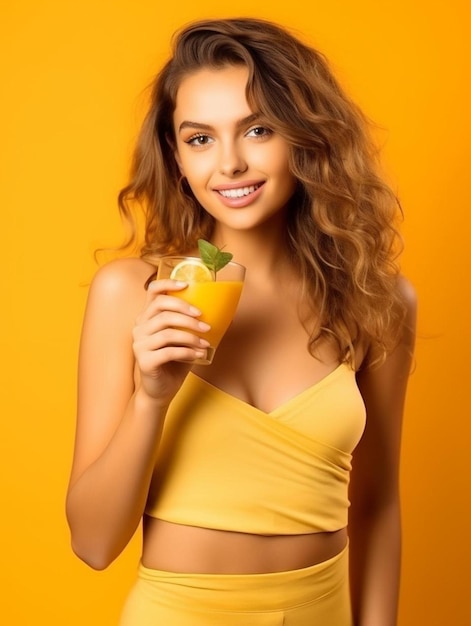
[[403, 318], [407, 291], [408, 297], [123, 274], [120, 285]]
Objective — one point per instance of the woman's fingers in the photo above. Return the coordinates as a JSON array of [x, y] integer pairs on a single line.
[[159, 299], [170, 337], [163, 285], [154, 349], [169, 319], [168, 328], [152, 361]]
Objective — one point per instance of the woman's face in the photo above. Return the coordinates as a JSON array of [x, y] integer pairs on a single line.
[[236, 167]]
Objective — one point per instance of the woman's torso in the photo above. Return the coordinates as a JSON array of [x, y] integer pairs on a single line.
[[263, 360]]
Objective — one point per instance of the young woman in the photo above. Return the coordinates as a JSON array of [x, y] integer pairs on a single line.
[[242, 471]]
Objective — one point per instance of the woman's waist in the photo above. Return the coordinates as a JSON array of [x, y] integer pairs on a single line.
[[190, 549]]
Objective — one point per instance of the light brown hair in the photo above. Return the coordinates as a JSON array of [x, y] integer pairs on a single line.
[[341, 229]]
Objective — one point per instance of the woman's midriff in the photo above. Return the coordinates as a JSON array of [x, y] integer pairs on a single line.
[[187, 549]]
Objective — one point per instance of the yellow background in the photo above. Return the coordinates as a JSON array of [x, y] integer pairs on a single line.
[[72, 79]]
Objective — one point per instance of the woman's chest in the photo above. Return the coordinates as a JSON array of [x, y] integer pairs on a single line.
[[264, 358]]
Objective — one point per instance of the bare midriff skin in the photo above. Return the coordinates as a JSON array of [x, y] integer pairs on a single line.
[[188, 549]]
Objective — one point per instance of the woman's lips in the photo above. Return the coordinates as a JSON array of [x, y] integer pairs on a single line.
[[239, 194]]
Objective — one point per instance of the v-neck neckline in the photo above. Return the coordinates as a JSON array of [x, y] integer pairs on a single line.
[[297, 397]]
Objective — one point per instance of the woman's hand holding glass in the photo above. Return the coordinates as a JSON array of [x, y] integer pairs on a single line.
[[165, 342]]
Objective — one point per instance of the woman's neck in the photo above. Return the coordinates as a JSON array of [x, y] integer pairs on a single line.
[[263, 251]]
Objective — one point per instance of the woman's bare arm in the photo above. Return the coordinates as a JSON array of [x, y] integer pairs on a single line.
[[119, 422], [374, 523]]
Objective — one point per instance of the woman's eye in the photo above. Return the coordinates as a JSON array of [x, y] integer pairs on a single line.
[[198, 140], [259, 131]]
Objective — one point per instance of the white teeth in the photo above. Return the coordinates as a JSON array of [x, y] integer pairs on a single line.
[[238, 193]]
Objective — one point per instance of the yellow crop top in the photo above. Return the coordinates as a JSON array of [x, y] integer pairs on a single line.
[[224, 464]]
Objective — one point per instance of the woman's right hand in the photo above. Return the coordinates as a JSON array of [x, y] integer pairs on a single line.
[[165, 342]]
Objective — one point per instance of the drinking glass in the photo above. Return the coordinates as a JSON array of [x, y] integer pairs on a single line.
[[216, 295]]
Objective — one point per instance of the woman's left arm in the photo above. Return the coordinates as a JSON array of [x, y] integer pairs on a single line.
[[374, 519]]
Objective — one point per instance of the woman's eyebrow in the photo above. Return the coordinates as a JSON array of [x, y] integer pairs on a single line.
[[199, 125]]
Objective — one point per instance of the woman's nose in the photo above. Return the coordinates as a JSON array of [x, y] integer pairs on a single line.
[[232, 160]]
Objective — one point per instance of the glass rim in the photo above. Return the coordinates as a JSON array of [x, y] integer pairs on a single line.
[[182, 257]]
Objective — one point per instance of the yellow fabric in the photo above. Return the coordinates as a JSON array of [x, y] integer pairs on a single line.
[[314, 595], [226, 465]]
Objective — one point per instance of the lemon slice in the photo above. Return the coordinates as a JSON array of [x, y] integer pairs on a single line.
[[191, 271]]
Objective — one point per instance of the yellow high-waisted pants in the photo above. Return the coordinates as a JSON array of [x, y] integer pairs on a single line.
[[313, 596]]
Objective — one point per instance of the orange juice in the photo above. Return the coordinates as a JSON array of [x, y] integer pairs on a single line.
[[217, 300], [215, 294]]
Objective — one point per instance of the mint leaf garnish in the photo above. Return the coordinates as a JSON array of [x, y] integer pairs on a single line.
[[212, 256]]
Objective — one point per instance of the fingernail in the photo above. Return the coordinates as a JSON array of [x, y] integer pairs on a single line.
[[203, 326], [179, 283], [204, 343], [194, 311]]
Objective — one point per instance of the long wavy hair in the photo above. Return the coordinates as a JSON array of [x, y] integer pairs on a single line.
[[341, 230]]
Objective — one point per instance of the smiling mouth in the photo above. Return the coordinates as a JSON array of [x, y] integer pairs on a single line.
[[239, 193]]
